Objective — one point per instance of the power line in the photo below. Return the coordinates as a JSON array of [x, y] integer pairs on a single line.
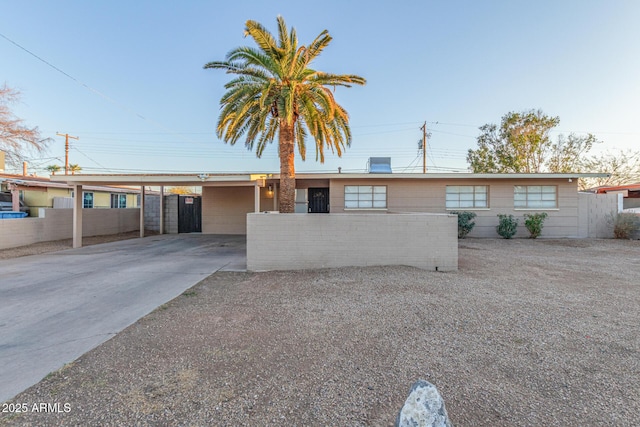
[[91, 89]]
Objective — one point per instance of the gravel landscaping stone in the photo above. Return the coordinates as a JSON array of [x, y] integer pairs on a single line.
[[527, 332]]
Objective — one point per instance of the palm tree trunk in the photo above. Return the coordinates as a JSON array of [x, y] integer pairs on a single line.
[[287, 170]]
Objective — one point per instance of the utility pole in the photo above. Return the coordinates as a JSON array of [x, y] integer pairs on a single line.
[[66, 150], [424, 147]]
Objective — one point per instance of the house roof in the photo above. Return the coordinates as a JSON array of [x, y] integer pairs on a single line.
[[222, 179], [616, 188], [43, 182]]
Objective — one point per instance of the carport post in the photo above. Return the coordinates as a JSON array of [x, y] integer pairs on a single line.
[[15, 197], [78, 202], [275, 197], [257, 197], [162, 209], [142, 211]]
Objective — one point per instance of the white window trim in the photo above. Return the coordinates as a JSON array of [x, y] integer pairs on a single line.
[[366, 209], [555, 208], [119, 196], [93, 199], [474, 208], [386, 198]]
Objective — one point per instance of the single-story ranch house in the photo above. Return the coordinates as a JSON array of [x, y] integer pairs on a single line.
[[228, 198]]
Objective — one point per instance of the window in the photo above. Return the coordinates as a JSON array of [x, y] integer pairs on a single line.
[[87, 200], [118, 201], [535, 197], [467, 196], [365, 196]]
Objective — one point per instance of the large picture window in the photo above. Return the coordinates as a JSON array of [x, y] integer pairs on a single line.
[[118, 201], [535, 197], [87, 200], [365, 196], [467, 196]]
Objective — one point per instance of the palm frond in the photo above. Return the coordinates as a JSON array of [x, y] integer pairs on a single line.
[[274, 84]]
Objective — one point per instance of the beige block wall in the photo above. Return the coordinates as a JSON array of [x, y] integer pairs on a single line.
[[224, 209], [408, 195], [596, 213], [300, 241], [57, 224]]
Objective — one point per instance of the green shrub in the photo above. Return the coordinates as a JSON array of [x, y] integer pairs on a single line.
[[465, 223], [534, 223], [625, 224], [507, 226]]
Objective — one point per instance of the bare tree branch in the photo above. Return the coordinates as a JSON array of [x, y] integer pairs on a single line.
[[16, 139]]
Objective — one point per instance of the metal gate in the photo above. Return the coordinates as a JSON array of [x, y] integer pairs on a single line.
[[189, 214], [318, 200]]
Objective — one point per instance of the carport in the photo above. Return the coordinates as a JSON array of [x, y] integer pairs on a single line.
[[256, 181]]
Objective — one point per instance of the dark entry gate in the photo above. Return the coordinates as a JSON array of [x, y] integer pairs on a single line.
[[189, 214], [318, 200]]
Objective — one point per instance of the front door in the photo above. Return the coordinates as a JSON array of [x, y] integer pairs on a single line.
[[318, 200], [189, 214]]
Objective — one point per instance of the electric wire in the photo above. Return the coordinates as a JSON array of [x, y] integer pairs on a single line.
[[91, 89]]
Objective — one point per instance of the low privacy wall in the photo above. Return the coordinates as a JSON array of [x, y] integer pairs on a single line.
[[57, 224], [300, 241], [596, 212]]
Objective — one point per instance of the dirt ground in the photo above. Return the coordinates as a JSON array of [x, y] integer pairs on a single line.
[[543, 332]]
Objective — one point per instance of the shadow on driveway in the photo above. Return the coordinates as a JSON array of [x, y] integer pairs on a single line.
[[55, 307]]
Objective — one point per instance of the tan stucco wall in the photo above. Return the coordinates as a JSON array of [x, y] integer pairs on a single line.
[[300, 241], [101, 200], [132, 201], [43, 197], [57, 224], [224, 209], [407, 195]]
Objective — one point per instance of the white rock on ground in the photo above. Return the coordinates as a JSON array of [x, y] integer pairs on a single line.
[[423, 408]]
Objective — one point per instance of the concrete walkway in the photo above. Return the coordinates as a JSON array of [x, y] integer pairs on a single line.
[[58, 306]]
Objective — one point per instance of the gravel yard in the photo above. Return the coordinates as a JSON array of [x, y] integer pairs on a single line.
[[543, 332]]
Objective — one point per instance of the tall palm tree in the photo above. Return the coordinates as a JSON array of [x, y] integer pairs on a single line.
[[276, 91], [73, 168], [53, 169]]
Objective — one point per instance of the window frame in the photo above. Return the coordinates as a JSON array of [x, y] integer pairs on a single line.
[[119, 198], [531, 201], [366, 200], [84, 200], [474, 200]]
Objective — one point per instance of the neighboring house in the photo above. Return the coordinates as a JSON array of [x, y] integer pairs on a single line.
[[40, 192], [227, 198], [630, 194]]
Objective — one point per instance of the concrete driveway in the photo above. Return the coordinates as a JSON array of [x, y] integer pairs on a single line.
[[58, 306]]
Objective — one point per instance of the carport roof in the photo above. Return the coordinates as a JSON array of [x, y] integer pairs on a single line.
[[223, 179]]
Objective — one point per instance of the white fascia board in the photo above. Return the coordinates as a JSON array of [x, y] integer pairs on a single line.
[[450, 175]]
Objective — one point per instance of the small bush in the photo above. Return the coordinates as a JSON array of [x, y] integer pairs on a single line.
[[465, 223], [534, 223], [625, 225], [507, 226]]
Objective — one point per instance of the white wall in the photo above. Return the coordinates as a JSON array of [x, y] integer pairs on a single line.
[[57, 224], [299, 241]]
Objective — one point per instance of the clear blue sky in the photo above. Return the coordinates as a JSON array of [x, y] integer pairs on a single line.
[[455, 64]]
